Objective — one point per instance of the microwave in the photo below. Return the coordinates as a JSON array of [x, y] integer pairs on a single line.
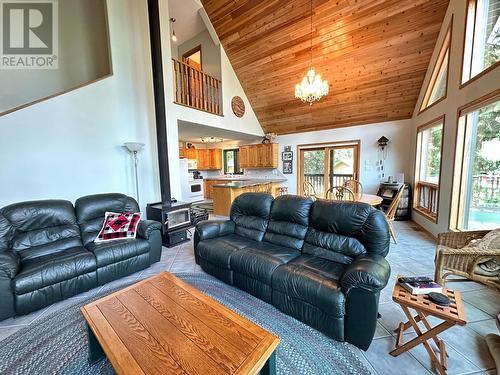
[[192, 164]]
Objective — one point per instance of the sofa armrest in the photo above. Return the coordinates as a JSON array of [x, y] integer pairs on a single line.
[[370, 272], [9, 264], [213, 229], [147, 227]]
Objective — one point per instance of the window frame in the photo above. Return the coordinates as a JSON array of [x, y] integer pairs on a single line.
[[445, 45], [456, 199], [224, 165], [416, 188], [468, 5]]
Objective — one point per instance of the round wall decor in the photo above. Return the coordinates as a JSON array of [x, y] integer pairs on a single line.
[[238, 106]]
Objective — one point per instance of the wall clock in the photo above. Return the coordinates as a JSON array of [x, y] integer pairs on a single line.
[[238, 106]]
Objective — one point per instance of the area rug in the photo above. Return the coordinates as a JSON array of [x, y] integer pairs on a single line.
[[57, 344]]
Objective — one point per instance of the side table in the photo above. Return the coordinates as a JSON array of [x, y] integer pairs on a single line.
[[451, 315]]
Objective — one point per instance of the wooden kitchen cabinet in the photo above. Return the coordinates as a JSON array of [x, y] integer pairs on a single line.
[[188, 153], [209, 159], [259, 156]]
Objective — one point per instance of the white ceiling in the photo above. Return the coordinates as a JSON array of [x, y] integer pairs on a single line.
[[188, 22], [191, 132]]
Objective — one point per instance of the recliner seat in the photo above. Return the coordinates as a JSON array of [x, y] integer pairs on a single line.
[[322, 262], [47, 251]]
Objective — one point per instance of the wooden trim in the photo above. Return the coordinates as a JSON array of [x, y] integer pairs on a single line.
[[456, 199], [439, 64], [192, 51], [416, 195], [79, 86], [484, 71], [478, 103]]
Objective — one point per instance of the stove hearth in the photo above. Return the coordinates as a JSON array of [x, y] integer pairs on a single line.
[[175, 219]]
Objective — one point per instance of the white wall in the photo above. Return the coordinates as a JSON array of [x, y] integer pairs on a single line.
[[456, 97], [70, 146], [398, 158], [230, 87]]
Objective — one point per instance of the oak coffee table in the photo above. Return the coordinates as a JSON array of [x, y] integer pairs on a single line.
[[162, 325]]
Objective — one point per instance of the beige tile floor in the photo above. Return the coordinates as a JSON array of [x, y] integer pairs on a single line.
[[413, 255]]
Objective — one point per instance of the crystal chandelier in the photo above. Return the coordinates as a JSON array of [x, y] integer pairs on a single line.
[[312, 88]]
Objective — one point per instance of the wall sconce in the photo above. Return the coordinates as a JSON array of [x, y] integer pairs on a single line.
[[174, 37]]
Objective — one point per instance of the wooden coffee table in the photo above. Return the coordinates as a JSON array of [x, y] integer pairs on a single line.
[[162, 325], [451, 315]]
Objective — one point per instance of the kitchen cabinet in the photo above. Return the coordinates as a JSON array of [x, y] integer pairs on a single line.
[[209, 159], [209, 187], [259, 156], [188, 153]]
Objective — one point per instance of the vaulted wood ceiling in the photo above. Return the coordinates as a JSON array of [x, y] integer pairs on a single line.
[[374, 54]]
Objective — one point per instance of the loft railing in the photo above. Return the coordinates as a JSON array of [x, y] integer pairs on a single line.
[[196, 89], [427, 198]]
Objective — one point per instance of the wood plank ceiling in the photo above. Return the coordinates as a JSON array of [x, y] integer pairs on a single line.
[[374, 54]]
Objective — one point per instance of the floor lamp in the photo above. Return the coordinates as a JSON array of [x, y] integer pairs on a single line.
[[134, 148]]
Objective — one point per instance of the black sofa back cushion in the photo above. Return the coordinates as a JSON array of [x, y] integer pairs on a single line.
[[342, 231], [250, 213], [90, 211], [288, 221], [37, 228]]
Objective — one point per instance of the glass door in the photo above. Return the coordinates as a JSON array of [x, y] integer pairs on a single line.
[[321, 168]]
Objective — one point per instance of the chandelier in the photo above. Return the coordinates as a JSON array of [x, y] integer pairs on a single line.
[[312, 88]]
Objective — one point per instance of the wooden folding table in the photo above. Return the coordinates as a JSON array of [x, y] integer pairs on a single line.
[[424, 307]]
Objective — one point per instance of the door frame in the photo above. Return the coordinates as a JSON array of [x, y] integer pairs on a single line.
[[327, 146], [192, 51]]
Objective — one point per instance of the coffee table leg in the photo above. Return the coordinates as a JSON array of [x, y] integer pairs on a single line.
[[270, 366], [95, 353]]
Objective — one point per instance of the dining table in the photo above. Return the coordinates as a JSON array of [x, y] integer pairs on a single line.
[[371, 199]]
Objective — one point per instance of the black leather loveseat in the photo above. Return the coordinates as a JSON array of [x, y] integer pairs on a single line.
[[322, 262], [47, 250]]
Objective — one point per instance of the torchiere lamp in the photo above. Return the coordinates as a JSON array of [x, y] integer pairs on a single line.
[[134, 148]]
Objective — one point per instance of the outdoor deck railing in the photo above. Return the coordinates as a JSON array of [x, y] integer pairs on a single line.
[[317, 180], [196, 89], [427, 198]]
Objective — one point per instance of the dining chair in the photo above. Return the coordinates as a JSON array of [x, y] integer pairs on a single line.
[[391, 212], [308, 189], [354, 185], [340, 193]]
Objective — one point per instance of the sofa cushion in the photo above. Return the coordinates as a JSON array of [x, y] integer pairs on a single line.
[[342, 231], [116, 251], [250, 213], [39, 228], [91, 209], [260, 261], [313, 280], [218, 250], [288, 221], [37, 273]]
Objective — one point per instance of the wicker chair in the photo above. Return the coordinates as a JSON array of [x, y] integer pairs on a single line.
[[453, 259], [355, 186], [340, 193]]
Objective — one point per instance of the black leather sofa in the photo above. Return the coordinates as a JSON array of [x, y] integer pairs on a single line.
[[47, 251], [321, 262]]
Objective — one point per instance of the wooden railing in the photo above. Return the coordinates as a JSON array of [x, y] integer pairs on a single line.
[[317, 180], [196, 89], [426, 201]]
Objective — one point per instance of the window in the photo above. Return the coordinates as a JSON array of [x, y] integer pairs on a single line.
[[476, 197], [482, 38], [428, 168], [232, 162], [437, 88]]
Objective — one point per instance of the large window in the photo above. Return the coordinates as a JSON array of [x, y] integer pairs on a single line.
[[428, 168], [476, 203], [232, 162], [482, 38], [437, 87]]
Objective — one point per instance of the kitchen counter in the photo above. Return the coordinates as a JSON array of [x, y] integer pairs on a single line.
[[238, 184], [225, 193]]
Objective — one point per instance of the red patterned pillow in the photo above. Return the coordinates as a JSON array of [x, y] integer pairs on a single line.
[[118, 226]]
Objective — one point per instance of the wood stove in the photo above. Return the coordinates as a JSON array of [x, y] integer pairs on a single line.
[[174, 218]]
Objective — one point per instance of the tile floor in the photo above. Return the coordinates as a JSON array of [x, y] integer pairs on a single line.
[[413, 255]]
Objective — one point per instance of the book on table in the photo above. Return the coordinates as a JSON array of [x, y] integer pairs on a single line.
[[422, 287]]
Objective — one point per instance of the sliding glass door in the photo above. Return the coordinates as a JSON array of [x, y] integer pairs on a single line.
[[323, 167]]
